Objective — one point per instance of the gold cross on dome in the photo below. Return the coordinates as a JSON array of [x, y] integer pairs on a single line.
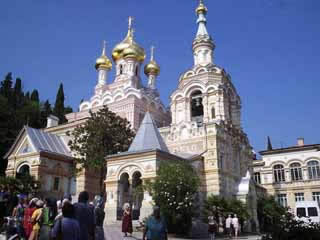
[[104, 44], [152, 52], [130, 21]]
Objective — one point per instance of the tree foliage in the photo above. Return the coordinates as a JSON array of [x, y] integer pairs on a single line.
[[16, 110], [104, 133], [59, 109], [279, 224], [25, 184], [220, 207], [175, 190]]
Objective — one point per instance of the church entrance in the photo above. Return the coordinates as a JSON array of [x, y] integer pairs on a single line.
[[130, 191]]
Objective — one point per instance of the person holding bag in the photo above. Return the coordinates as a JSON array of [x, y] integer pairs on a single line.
[[66, 228]]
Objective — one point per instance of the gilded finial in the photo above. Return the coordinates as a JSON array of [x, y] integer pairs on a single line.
[[201, 8], [104, 43], [152, 53]]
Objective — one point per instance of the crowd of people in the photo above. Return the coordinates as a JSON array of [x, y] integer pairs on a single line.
[[44, 219]]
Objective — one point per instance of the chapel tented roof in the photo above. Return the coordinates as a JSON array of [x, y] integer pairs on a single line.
[[148, 137]]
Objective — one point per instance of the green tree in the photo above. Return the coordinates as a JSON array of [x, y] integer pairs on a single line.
[[45, 112], [59, 109], [104, 133], [6, 86], [175, 190], [18, 94], [35, 96], [5, 140]]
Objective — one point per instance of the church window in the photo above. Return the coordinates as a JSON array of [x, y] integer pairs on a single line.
[[213, 113], [296, 172], [56, 184], [278, 173], [137, 70], [196, 107], [257, 177], [121, 69], [313, 170]]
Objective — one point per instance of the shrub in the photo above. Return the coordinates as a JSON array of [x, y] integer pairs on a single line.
[[174, 190]]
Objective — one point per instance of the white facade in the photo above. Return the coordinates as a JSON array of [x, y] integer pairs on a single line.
[[290, 174]]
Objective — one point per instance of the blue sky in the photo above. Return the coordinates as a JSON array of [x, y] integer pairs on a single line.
[[270, 48]]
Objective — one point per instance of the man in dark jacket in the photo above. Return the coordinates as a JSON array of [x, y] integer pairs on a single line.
[[85, 216]]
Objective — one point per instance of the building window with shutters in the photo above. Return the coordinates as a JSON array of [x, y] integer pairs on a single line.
[[257, 177], [299, 197], [296, 172], [278, 173]]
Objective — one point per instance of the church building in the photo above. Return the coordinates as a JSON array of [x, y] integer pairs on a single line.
[[202, 125]]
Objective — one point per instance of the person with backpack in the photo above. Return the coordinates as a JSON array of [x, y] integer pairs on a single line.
[[36, 220]]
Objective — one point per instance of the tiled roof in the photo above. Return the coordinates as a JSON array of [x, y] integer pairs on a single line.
[[148, 137]]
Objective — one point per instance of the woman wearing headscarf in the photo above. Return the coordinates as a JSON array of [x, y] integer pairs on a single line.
[[99, 217], [126, 219]]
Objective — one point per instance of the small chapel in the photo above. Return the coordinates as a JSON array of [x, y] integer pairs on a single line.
[[202, 125]]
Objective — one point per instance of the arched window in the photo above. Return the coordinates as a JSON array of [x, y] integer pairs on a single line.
[[196, 107], [121, 69], [213, 113], [278, 173], [313, 169], [137, 70], [296, 172], [23, 170]]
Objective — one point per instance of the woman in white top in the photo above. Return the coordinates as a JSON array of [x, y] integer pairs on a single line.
[[235, 224]]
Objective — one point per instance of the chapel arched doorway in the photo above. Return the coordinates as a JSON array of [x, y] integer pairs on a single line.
[[123, 193]]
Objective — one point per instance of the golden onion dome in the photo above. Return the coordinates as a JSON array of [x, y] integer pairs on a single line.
[[103, 61], [201, 8], [152, 68], [128, 48]]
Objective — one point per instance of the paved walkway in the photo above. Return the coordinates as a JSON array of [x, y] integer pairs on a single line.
[[113, 232]]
